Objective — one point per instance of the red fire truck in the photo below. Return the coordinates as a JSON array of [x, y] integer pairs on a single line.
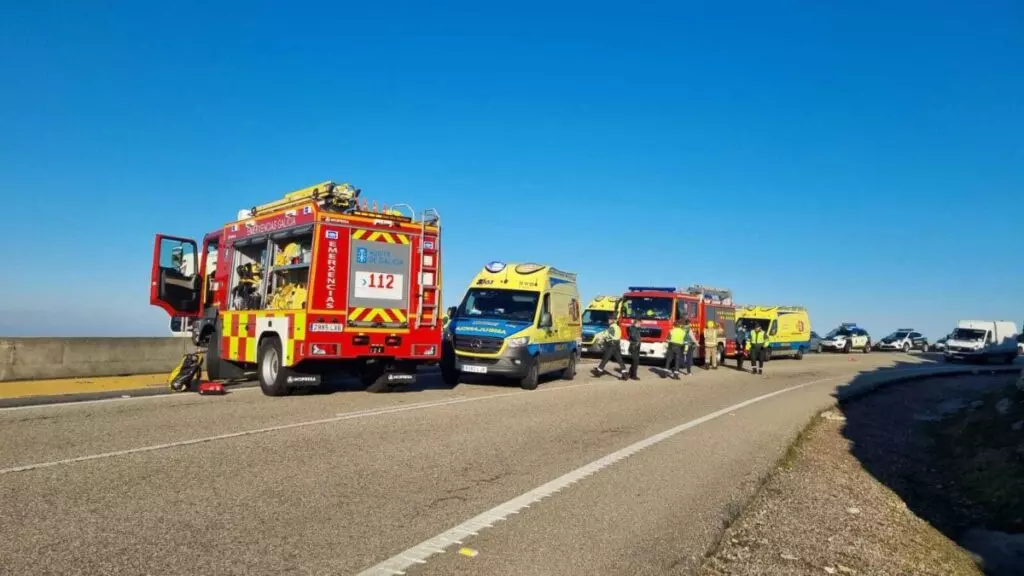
[[656, 309], [308, 285]]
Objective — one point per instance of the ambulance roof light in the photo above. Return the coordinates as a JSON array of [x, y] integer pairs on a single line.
[[495, 267]]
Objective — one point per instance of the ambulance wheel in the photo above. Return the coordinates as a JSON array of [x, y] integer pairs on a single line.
[[532, 378], [449, 374], [570, 371], [216, 367], [800, 353], [272, 375], [767, 354]]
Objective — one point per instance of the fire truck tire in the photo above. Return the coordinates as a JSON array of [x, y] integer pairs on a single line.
[[570, 371], [532, 378], [217, 368], [371, 374], [272, 375]]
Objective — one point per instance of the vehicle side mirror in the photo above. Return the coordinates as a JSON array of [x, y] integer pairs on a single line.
[[451, 311], [545, 320]]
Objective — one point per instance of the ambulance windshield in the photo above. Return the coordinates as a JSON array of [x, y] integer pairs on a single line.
[[597, 316], [749, 323], [508, 305], [647, 308]]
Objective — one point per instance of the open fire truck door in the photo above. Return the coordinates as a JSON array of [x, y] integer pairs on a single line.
[[175, 281]]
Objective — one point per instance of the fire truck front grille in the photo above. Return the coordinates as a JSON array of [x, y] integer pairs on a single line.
[[650, 332], [478, 344]]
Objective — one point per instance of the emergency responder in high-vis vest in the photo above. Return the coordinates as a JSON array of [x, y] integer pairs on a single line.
[[711, 346], [758, 349], [611, 337], [634, 334], [676, 341]]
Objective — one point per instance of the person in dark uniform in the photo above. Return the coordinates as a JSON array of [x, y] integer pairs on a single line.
[[741, 345], [612, 336], [634, 349]]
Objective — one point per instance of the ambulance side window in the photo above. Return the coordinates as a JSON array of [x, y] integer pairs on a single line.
[[774, 329], [544, 320]]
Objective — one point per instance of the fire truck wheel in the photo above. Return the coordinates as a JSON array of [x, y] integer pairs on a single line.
[[570, 371], [272, 375], [371, 373], [721, 355], [532, 378], [216, 368]]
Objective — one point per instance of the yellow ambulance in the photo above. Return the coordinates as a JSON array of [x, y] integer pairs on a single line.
[[595, 320], [788, 328], [518, 321]]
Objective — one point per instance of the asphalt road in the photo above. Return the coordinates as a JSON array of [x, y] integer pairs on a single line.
[[340, 483]]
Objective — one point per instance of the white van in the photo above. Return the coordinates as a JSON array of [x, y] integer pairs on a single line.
[[983, 340]]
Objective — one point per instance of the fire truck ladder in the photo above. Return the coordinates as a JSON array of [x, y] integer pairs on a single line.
[[723, 295], [430, 296]]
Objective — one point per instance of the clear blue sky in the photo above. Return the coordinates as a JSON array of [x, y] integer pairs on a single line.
[[865, 159]]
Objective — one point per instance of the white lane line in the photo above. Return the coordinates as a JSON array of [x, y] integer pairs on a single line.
[[419, 553], [303, 424]]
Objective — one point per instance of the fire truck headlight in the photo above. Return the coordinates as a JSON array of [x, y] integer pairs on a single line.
[[517, 341]]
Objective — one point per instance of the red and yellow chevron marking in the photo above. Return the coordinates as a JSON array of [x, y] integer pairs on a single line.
[[376, 315], [239, 338], [386, 237]]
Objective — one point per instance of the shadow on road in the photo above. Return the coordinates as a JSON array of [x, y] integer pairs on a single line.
[[905, 436]]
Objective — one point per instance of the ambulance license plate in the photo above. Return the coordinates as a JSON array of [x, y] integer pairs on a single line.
[[474, 369]]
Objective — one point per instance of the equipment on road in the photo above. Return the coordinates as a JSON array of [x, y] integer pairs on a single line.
[[517, 321], [187, 372], [309, 284], [657, 309], [212, 389]]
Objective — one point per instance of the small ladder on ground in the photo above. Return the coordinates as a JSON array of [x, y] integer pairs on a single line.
[[430, 270]]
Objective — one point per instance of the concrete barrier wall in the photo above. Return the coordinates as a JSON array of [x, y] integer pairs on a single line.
[[45, 358]]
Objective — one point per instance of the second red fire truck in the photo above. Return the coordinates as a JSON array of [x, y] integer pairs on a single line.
[[656, 309], [308, 285]]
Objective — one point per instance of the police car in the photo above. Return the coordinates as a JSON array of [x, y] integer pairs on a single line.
[[846, 338], [903, 339]]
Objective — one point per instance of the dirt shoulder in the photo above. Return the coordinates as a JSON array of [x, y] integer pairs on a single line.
[[883, 486]]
